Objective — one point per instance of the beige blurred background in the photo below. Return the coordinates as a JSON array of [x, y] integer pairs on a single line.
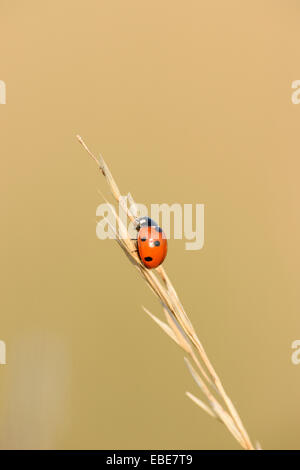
[[189, 102]]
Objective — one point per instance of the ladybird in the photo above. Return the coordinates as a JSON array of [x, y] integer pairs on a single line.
[[152, 243]]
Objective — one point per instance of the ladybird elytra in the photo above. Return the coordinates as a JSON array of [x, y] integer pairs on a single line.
[[151, 243]]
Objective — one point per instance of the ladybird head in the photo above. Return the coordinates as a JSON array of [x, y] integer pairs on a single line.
[[145, 222]]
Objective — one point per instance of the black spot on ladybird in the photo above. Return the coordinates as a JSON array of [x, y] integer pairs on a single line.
[[143, 239], [157, 243], [148, 258]]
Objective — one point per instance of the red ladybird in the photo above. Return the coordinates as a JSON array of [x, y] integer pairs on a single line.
[[151, 243]]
